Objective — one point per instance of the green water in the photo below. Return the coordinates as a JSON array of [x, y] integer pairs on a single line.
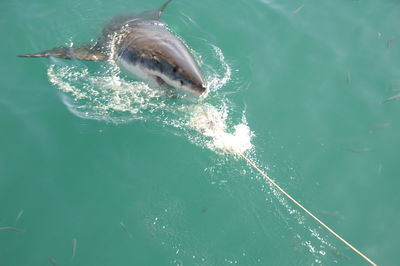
[[310, 84]]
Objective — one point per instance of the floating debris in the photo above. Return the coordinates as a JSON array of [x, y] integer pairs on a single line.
[[19, 215], [389, 43], [74, 242], [123, 226], [360, 150], [348, 77], [381, 125], [8, 228], [297, 10], [393, 98], [53, 261], [380, 166]]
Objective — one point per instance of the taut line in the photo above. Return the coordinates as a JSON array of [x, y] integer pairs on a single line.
[[251, 163]]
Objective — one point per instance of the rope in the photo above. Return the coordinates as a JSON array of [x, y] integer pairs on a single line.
[[250, 162]]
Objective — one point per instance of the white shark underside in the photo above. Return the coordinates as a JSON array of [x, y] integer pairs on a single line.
[[143, 46]]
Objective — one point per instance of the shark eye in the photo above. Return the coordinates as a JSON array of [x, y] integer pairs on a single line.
[[175, 69], [181, 81]]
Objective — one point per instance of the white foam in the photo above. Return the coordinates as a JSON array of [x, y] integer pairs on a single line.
[[210, 122], [217, 80], [106, 95]]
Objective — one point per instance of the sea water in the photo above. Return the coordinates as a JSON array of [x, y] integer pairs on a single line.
[[97, 168]]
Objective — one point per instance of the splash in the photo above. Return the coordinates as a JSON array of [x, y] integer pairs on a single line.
[[108, 95], [211, 122]]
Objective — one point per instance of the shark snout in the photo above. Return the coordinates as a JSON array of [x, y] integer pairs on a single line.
[[199, 89], [195, 85]]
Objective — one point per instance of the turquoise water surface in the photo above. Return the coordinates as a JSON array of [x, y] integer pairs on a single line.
[[97, 168]]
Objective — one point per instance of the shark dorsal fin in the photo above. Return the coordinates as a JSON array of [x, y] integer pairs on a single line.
[[152, 14], [161, 9], [120, 20]]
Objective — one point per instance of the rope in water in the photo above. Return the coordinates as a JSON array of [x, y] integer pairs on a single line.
[[250, 162]]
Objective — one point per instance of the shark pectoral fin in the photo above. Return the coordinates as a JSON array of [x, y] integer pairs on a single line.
[[86, 52]]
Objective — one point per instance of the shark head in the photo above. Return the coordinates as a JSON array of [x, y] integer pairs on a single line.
[[153, 53], [179, 75]]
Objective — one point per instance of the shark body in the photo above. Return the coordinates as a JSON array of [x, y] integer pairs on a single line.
[[143, 46]]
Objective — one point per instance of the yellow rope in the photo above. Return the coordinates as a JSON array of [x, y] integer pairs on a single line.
[[304, 209]]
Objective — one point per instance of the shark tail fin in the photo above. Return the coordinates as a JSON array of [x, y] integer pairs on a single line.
[[86, 52]]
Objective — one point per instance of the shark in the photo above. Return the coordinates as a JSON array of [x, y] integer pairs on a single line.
[[143, 46]]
